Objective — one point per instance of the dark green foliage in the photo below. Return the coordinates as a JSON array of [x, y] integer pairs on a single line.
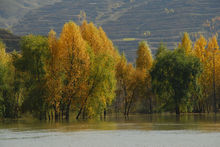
[[32, 64], [7, 98], [162, 48], [174, 75], [7, 101]]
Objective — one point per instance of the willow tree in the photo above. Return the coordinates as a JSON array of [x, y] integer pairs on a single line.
[[75, 61], [7, 99], [174, 76], [101, 87], [32, 63]]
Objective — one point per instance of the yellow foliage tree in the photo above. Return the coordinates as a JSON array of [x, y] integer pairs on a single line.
[[108, 45], [53, 74], [91, 34], [207, 54], [4, 57], [213, 49], [98, 40], [104, 52], [200, 48], [121, 85], [75, 61], [202, 53], [186, 43], [144, 57], [144, 63]]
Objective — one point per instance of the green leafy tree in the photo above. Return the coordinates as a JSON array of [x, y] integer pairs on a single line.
[[174, 75], [101, 87], [7, 100], [32, 63]]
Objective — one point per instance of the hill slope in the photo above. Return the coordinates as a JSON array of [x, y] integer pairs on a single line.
[[126, 21], [11, 11], [11, 40]]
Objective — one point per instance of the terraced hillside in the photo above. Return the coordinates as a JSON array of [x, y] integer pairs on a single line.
[[11, 11], [127, 21]]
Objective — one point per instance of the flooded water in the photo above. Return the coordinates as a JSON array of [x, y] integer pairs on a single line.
[[139, 130]]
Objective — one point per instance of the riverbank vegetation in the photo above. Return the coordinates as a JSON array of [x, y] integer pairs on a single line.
[[81, 72]]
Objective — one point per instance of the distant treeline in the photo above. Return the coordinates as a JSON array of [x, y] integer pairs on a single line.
[[81, 72]]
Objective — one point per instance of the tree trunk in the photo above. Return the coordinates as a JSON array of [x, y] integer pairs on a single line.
[[51, 115], [48, 116], [40, 116], [129, 106], [55, 113], [125, 109], [84, 103], [105, 114], [151, 108], [62, 113], [45, 115], [177, 106], [84, 113], [131, 101], [80, 110], [125, 101], [177, 109], [67, 111]]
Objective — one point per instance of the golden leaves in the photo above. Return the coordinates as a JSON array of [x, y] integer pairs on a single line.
[[186, 43], [144, 60]]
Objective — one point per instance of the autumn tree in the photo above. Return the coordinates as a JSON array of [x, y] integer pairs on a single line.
[[98, 40], [144, 63], [91, 34], [213, 49], [144, 57], [208, 54], [200, 51], [186, 43], [120, 74], [132, 80], [128, 80], [101, 87], [54, 74], [75, 62]]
